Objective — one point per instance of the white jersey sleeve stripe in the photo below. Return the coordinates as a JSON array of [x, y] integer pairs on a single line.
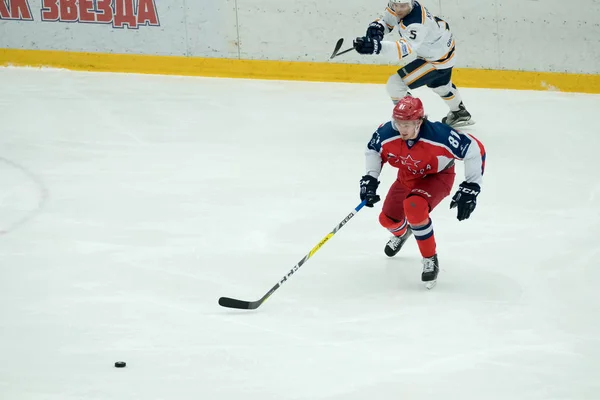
[[440, 145], [390, 139]]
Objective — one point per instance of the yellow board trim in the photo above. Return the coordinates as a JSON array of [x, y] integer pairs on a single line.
[[288, 70]]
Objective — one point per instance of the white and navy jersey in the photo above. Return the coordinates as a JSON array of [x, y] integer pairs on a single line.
[[423, 35], [434, 150]]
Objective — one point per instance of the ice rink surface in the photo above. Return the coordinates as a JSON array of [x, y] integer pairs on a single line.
[[129, 204]]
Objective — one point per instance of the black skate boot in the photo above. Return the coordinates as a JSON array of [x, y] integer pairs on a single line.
[[458, 118], [396, 242], [430, 271]]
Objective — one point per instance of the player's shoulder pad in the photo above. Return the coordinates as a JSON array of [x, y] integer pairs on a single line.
[[435, 131], [441, 133], [384, 132], [416, 16], [387, 131]]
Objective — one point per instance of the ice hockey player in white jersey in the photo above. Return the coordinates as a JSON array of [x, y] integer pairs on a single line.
[[426, 51]]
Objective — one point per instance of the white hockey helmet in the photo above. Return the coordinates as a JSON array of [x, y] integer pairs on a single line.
[[409, 2]]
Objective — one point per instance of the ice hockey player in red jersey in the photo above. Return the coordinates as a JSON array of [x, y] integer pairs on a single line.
[[424, 153], [426, 53]]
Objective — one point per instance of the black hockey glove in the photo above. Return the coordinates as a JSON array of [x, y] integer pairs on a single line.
[[375, 31], [368, 190], [465, 199], [366, 45]]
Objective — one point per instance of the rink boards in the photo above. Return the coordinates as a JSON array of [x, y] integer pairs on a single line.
[[287, 70]]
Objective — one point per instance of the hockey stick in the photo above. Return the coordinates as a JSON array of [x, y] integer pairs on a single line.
[[251, 305], [337, 48]]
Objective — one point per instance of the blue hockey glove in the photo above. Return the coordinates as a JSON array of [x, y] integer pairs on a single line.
[[368, 190], [375, 31], [465, 199], [366, 45]]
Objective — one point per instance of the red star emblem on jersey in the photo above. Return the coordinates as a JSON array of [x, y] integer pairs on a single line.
[[410, 162]]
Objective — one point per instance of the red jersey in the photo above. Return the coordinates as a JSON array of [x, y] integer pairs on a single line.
[[433, 150]]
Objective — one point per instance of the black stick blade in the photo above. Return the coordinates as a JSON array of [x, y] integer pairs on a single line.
[[337, 48], [240, 304]]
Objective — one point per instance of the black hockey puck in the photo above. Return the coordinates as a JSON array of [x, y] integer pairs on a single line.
[[120, 364]]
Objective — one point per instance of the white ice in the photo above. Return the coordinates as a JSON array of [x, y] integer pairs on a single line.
[[129, 204]]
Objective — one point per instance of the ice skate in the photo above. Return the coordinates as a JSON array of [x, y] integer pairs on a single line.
[[396, 242], [458, 118], [430, 271]]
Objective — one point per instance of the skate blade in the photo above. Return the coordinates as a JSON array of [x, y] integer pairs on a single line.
[[463, 124], [430, 285]]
